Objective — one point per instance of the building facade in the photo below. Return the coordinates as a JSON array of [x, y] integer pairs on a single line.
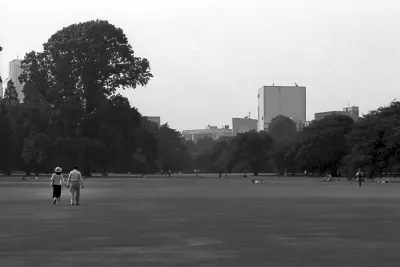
[[155, 119], [1, 90], [289, 101], [14, 72], [210, 131], [353, 112], [242, 125]]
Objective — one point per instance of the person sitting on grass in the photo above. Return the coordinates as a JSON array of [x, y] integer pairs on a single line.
[[254, 181], [56, 180], [328, 178], [385, 181]]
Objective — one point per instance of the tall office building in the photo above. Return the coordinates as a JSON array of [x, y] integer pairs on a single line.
[[289, 101], [13, 74]]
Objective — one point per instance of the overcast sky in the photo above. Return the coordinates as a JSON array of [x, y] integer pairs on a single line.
[[209, 57]]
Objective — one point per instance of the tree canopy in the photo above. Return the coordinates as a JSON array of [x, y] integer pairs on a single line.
[[10, 94]]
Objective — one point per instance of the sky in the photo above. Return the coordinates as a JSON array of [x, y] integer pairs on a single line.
[[209, 57]]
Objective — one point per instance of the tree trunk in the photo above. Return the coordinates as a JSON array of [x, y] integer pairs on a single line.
[[86, 170], [254, 166]]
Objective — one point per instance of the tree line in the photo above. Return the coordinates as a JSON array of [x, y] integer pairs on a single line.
[[326, 146], [72, 114]]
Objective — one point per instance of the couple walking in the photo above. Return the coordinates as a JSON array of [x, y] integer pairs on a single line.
[[74, 183]]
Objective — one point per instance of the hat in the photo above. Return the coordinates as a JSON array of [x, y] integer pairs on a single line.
[[58, 169]]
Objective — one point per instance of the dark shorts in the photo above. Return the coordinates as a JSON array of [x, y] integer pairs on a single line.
[[56, 191]]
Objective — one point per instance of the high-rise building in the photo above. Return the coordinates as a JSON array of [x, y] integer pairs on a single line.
[[289, 101], [242, 125], [13, 74], [155, 119]]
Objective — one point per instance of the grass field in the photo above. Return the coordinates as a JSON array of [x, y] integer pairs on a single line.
[[201, 222]]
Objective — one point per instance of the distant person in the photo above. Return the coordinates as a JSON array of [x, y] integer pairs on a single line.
[[75, 182], [360, 177], [328, 178], [339, 174], [56, 180], [305, 172], [169, 173], [162, 172]]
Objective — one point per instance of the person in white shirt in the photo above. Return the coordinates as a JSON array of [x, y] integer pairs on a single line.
[[75, 182], [56, 180]]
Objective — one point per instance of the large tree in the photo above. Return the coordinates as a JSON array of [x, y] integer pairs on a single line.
[[90, 60], [172, 150], [222, 156], [71, 81], [375, 140], [253, 148], [322, 145], [283, 130]]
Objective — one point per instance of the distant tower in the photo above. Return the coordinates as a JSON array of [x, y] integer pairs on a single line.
[[289, 101], [13, 73]]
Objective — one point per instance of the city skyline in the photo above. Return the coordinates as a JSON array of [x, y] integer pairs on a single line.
[[212, 57]]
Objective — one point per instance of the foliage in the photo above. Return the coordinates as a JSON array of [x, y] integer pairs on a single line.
[[10, 94], [6, 140], [71, 88], [375, 140], [322, 145], [253, 148], [283, 130]]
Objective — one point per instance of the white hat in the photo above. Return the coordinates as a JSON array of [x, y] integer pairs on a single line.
[[58, 169]]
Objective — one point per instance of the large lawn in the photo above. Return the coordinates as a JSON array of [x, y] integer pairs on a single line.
[[201, 222]]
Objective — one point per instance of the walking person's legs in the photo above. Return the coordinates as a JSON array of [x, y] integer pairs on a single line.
[[72, 191], [77, 195]]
